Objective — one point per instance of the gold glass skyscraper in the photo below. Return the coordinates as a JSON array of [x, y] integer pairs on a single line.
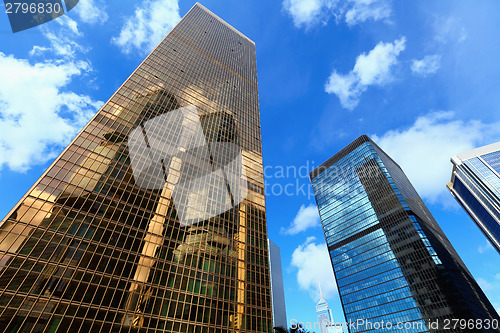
[[153, 218]]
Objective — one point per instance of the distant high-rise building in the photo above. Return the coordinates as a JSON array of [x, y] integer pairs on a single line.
[[277, 290], [153, 218], [325, 318], [475, 183], [392, 262]]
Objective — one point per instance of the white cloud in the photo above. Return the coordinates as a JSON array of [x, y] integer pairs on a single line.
[[38, 114], [449, 29], [364, 10], [347, 88], [310, 12], [426, 66], [485, 248], [69, 23], [37, 117], [91, 11], [307, 217], [36, 50], [491, 288], [62, 40], [151, 22], [62, 45], [373, 68], [485, 285], [424, 149], [314, 267], [463, 35], [307, 12]]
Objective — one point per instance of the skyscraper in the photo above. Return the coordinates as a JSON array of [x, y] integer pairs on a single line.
[[277, 290], [475, 183], [153, 218], [323, 313], [325, 319], [392, 262]]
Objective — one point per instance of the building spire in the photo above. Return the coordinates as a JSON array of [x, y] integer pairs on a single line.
[[322, 302], [323, 312]]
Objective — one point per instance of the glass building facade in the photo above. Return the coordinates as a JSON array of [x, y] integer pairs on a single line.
[[153, 218], [475, 184], [395, 269]]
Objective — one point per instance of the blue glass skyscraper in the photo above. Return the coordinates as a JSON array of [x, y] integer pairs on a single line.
[[475, 183], [395, 268]]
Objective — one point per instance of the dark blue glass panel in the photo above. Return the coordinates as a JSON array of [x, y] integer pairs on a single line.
[[477, 209]]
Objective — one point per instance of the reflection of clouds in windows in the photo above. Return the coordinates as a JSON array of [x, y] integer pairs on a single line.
[[209, 177]]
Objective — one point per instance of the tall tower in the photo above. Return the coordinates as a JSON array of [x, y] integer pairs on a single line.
[[325, 318], [392, 262], [153, 218], [324, 314], [475, 183], [277, 289]]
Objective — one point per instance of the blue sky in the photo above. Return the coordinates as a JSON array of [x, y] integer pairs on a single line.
[[421, 78]]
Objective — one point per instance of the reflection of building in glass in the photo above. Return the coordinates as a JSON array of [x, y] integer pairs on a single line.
[[475, 183], [93, 248], [277, 290], [391, 260]]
